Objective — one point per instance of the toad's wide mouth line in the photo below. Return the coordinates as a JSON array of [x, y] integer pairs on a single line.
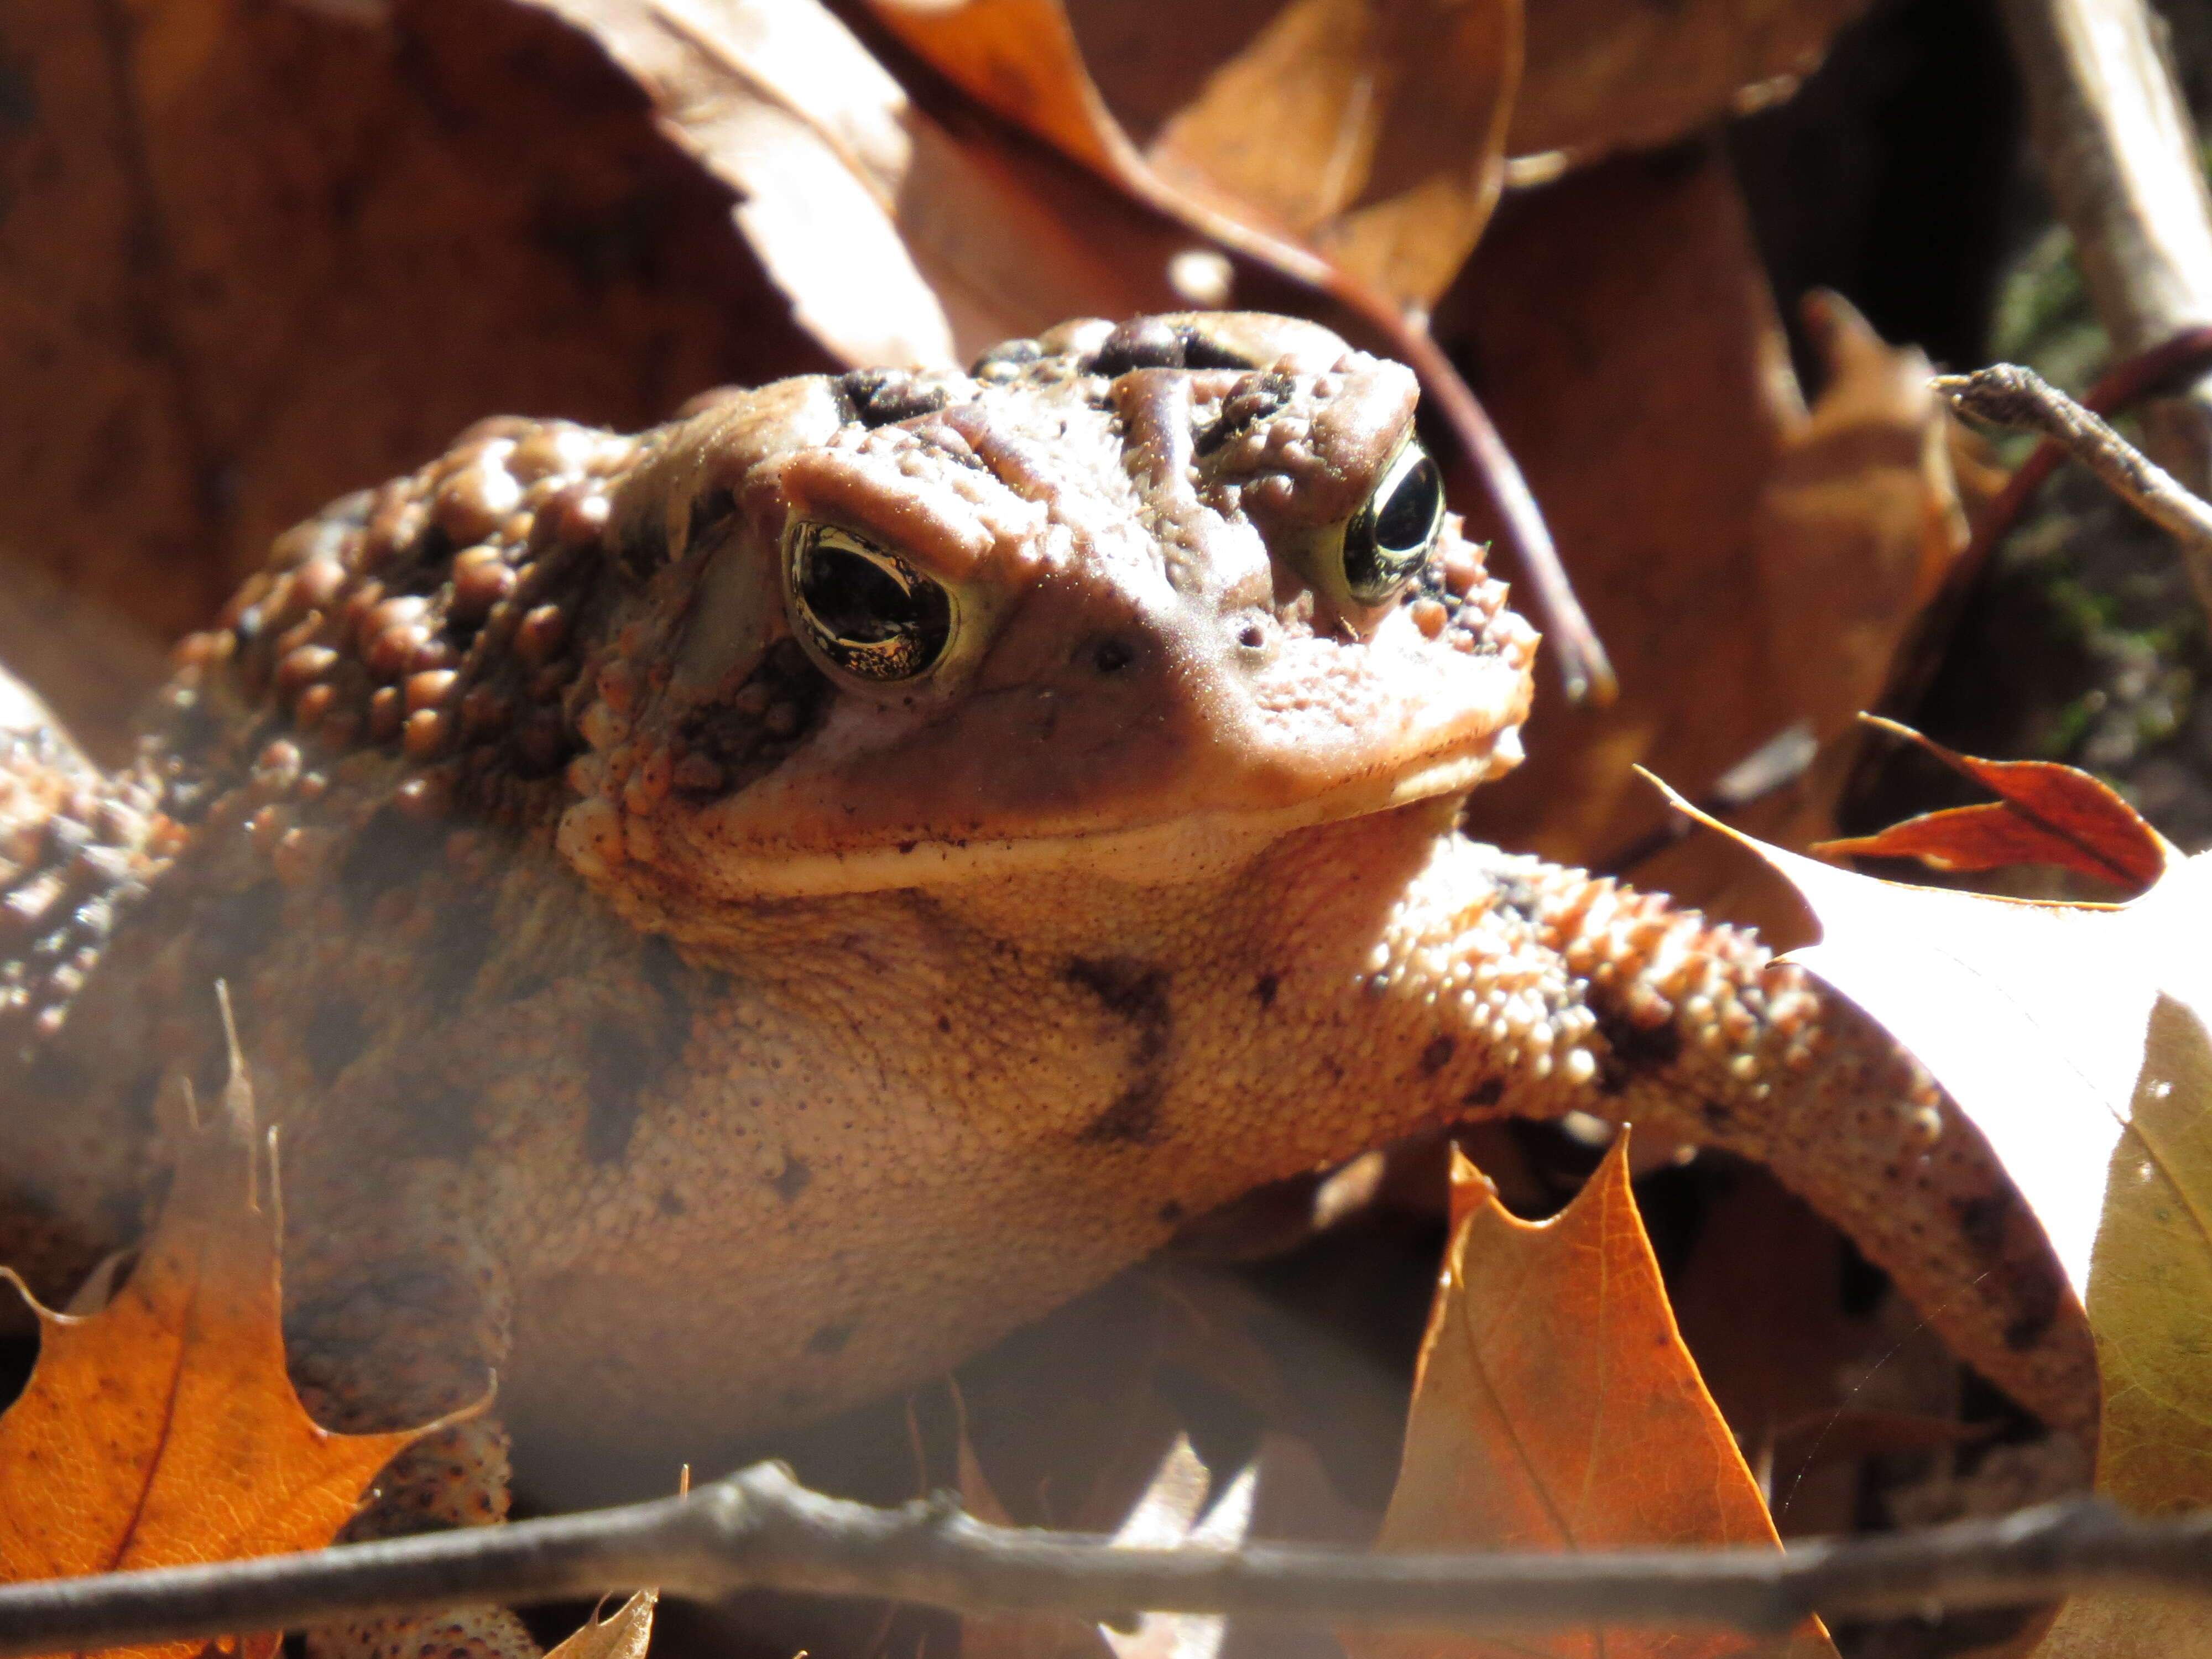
[[1165, 852]]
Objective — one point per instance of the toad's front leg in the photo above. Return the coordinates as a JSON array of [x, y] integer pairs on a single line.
[[1493, 984], [380, 1338]]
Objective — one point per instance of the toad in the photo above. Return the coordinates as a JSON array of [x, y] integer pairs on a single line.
[[732, 919]]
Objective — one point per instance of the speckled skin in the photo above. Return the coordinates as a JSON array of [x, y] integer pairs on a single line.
[[710, 1041]]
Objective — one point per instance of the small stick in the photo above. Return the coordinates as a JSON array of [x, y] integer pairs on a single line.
[[2010, 396], [2119, 152], [760, 1528]]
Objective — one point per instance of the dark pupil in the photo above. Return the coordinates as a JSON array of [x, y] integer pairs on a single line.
[[870, 620], [855, 598], [1408, 518], [1387, 543]]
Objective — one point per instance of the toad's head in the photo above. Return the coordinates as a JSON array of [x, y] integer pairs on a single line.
[[1137, 599]]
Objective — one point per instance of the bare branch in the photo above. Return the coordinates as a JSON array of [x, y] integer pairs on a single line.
[[2007, 395], [759, 1529]]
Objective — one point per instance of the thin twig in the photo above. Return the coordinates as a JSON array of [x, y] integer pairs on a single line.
[[2118, 150], [759, 1529], [2179, 363], [2010, 396]]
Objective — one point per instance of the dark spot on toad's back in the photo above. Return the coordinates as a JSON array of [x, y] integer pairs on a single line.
[[1011, 353], [1266, 988], [793, 1179], [1518, 895], [1436, 1054], [1982, 1220], [1633, 1048], [1199, 350], [830, 1339], [1488, 1092], [1135, 991], [643, 547], [1133, 1120], [708, 510], [1250, 404]]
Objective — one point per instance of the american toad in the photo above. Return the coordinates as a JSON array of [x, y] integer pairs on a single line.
[[734, 919]]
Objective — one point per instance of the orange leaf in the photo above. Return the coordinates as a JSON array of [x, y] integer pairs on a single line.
[[1556, 1408], [163, 1429], [1347, 139], [2046, 813]]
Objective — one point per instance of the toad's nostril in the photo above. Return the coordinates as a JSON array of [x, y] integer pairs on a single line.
[[1112, 656], [1252, 638]]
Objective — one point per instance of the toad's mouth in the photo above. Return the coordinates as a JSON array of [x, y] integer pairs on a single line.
[[714, 852], [1162, 853]]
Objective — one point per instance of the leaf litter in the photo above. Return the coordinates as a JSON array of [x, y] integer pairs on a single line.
[[162, 1430], [798, 164], [2075, 1036]]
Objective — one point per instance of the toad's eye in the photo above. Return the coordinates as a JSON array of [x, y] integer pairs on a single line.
[[867, 611], [1388, 540]]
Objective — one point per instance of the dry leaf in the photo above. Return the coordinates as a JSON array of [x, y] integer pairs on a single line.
[[1010, 1635], [2034, 1016], [1750, 565], [1344, 136], [1606, 74], [1165, 1514], [2074, 1036], [2046, 814], [624, 1635], [1168, 1516], [896, 243], [163, 1431], [1760, 1307], [257, 256], [1556, 1408]]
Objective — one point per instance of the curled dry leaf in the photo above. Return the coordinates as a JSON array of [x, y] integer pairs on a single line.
[[894, 243], [623, 1636], [163, 1429], [1342, 136], [1555, 1408], [2075, 1036], [2032, 1015], [2047, 813]]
